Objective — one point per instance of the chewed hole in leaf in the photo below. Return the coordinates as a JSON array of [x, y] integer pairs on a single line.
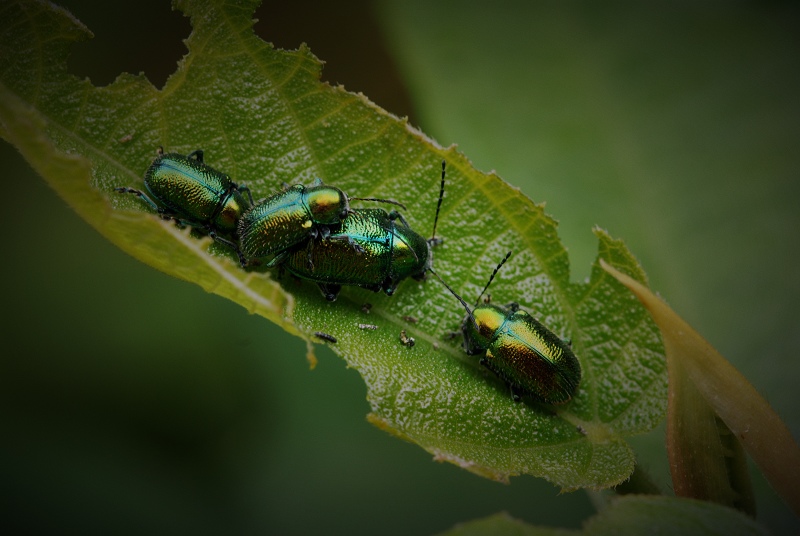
[[117, 45]]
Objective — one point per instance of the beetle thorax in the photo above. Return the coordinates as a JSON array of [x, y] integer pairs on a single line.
[[328, 205], [489, 319], [411, 253], [232, 209]]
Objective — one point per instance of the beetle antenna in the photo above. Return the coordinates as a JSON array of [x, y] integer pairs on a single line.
[[438, 205], [453, 292], [491, 277], [399, 204]]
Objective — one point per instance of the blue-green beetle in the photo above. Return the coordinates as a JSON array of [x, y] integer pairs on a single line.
[[183, 188], [293, 216], [528, 357], [372, 249]]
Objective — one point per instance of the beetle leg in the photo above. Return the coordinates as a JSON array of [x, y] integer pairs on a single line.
[[469, 349], [243, 188], [198, 155], [356, 247], [514, 306], [330, 291], [309, 260], [389, 285], [166, 215], [278, 259], [346, 238], [232, 245], [394, 215], [140, 195], [515, 395]]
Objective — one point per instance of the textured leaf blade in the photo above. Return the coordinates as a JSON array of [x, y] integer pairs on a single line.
[[263, 116]]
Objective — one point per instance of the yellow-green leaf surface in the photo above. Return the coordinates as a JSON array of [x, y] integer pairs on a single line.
[[632, 515], [262, 116]]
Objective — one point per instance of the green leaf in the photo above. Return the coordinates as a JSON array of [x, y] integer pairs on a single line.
[[630, 515], [263, 116], [503, 524], [669, 515]]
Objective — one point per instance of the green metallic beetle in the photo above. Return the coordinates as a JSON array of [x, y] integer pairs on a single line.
[[372, 249], [292, 216], [522, 352], [185, 189]]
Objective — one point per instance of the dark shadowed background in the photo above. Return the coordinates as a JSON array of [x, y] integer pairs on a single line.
[[134, 402]]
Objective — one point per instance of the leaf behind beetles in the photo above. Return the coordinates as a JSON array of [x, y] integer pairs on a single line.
[[263, 116]]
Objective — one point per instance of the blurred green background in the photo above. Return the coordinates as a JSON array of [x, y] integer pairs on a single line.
[[134, 402]]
